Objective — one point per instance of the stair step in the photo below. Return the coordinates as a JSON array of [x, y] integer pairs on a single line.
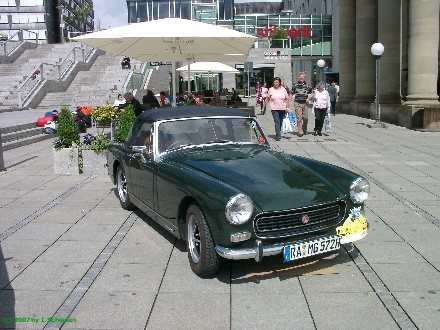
[[16, 128], [22, 134], [26, 141]]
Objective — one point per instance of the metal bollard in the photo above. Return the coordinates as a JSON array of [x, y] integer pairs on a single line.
[[2, 162]]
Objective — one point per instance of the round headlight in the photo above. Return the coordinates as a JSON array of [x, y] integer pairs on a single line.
[[359, 190], [239, 209]]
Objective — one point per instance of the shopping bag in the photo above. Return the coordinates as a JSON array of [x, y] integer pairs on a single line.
[[292, 119], [287, 128], [328, 124]]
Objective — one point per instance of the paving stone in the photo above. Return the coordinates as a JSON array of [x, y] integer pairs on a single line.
[[71, 251], [50, 276], [354, 310], [408, 277], [418, 232], [41, 231], [262, 311], [383, 252], [112, 310], [130, 277], [22, 303], [191, 310], [89, 232], [422, 307]]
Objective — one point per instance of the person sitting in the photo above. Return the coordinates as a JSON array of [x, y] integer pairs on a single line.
[[199, 101], [216, 102], [126, 63], [149, 98], [179, 99], [168, 96], [163, 100], [235, 97], [35, 75], [119, 101], [129, 99]]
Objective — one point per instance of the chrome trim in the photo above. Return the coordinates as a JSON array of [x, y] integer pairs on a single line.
[[260, 251]]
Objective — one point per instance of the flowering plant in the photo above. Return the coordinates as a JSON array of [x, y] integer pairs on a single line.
[[97, 143], [104, 114]]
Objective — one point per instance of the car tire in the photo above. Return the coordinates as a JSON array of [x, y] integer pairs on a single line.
[[202, 256], [121, 189]]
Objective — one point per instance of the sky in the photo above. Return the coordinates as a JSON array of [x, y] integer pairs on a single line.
[[110, 13]]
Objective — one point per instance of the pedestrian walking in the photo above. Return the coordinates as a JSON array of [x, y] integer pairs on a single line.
[[300, 92], [264, 91], [279, 104], [321, 106], [334, 97]]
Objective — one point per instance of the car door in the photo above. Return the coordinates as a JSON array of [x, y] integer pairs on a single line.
[[143, 170]]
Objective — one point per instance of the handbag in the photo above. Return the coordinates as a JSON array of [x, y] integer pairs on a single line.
[[287, 128], [292, 119], [328, 124]]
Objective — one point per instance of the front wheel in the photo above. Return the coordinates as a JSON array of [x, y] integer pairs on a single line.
[[202, 256], [121, 187]]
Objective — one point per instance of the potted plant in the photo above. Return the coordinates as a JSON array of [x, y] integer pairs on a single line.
[[125, 121], [104, 115], [66, 147], [94, 154]]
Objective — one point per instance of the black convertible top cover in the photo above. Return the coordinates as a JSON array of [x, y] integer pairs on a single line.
[[189, 112]]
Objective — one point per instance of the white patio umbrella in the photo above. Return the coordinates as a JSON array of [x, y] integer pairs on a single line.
[[173, 40], [207, 67]]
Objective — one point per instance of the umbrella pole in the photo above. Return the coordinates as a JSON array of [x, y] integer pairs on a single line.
[[173, 77], [189, 78]]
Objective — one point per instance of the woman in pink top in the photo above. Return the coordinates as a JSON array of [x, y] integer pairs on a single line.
[[321, 106], [279, 103]]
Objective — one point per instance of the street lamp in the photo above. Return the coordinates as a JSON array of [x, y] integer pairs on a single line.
[[377, 50], [321, 64], [60, 8]]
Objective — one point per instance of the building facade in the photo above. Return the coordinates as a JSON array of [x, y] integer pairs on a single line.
[[40, 19], [409, 31]]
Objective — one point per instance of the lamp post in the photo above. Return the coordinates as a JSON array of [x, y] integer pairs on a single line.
[[377, 50], [60, 8], [321, 64]]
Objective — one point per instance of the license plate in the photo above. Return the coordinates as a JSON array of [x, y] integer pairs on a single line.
[[307, 249]]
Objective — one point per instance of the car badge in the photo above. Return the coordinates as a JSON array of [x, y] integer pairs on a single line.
[[305, 219]]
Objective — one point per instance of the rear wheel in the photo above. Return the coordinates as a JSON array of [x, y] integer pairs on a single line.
[[121, 187], [202, 256]]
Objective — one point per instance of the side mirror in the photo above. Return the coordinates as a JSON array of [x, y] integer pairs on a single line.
[[139, 149]]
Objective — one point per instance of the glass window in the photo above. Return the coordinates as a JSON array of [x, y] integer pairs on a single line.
[[142, 11]]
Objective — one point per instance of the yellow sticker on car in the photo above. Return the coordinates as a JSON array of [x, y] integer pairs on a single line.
[[355, 227]]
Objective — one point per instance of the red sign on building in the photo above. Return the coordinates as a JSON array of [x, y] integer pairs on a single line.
[[293, 33]]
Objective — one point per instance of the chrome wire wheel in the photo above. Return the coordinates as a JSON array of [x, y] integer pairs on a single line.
[[193, 239], [122, 186]]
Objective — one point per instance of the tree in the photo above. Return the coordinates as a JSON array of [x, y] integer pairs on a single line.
[[80, 14], [278, 36]]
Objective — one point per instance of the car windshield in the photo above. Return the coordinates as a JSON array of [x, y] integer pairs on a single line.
[[205, 131]]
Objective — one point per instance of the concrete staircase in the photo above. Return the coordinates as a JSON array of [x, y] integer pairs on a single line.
[[93, 87], [13, 74], [21, 135]]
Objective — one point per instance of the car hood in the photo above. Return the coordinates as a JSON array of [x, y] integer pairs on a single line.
[[273, 180]]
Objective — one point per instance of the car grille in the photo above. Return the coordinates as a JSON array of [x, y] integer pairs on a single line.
[[289, 223]]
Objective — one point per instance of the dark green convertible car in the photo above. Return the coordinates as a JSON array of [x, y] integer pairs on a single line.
[[210, 176]]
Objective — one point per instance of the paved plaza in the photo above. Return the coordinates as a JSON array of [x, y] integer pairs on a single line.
[[72, 258]]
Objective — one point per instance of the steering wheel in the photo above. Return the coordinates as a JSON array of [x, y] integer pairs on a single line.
[[175, 143]]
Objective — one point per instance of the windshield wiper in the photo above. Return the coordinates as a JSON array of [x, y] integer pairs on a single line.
[[220, 141]]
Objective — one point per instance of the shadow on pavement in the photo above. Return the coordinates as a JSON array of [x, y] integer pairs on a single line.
[[7, 297]]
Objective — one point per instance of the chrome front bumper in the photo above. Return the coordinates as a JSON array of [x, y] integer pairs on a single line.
[[259, 251]]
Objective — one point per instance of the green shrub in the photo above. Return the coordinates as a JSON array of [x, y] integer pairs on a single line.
[[68, 135], [126, 120]]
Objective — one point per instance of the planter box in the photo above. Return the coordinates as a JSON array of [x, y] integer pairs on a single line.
[[94, 162], [65, 161]]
